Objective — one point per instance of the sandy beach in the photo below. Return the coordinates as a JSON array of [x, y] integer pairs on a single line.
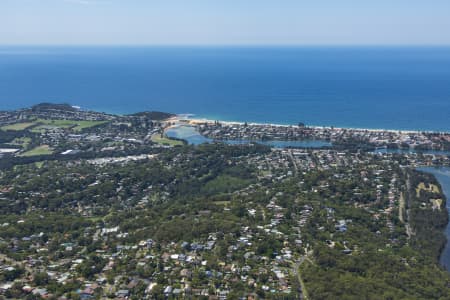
[[197, 121]]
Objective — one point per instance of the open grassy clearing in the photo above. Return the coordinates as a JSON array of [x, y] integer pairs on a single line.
[[87, 124], [39, 150], [43, 125], [39, 164], [265, 172], [76, 126], [18, 126], [156, 138], [224, 203], [22, 142]]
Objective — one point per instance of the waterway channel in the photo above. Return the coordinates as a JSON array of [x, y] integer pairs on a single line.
[[192, 136], [442, 174]]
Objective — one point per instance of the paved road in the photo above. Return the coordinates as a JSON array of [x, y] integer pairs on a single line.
[[409, 230], [291, 156], [296, 268]]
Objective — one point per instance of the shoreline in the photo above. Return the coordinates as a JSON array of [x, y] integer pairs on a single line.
[[191, 117], [444, 255], [193, 120], [196, 121]]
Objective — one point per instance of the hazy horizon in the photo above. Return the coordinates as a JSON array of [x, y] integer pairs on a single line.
[[224, 23]]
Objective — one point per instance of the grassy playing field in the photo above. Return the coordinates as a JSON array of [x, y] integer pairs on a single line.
[[87, 124], [17, 127], [44, 125], [156, 138], [76, 126], [22, 142], [39, 150]]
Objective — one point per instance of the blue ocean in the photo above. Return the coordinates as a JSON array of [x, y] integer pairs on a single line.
[[364, 87]]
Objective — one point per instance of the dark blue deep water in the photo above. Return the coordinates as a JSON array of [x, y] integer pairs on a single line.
[[396, 88]]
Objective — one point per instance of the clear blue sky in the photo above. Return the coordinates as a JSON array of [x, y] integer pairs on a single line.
[[299, 22]]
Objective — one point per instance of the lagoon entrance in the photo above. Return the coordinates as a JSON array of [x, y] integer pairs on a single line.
[[193, 137]]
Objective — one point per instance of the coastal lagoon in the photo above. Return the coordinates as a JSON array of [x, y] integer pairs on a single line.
[[362, 87], [187, 133], [192, 136], [442, 174]]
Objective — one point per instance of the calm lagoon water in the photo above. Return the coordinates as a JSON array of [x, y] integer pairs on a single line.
[[187, 133], [192, 136], [367, 87]]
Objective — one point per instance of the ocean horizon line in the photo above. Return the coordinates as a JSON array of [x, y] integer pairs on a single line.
[[331, 46]]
